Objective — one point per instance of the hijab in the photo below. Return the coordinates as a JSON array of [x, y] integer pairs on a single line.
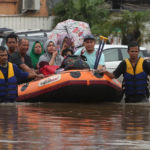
[[47, 56], [35, 57], [61, 38]]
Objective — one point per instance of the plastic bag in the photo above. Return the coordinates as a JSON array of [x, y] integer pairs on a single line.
[[47, 70]]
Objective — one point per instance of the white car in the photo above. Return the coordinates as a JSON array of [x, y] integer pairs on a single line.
[[114, 54]]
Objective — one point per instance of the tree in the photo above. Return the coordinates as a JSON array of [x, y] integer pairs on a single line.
[[131, 24], [80, 10]]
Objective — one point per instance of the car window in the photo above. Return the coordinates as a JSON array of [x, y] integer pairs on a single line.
[[36, 34], [125, 54], [1, 39], [146, 53], [20, 35], [111, 54], [6, 46], [30, 46], [31, 41]]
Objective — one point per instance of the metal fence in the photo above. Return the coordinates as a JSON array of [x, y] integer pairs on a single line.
[[19, 23]]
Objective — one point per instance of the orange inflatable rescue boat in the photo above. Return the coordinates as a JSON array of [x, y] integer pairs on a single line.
[[72, 86]]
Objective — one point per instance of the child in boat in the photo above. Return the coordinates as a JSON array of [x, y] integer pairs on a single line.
[[67, 51]]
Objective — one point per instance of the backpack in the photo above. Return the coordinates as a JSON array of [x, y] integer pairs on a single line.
[[73, 62]]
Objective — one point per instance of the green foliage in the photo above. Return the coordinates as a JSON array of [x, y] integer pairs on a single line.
[[130, 23], [80, 10]]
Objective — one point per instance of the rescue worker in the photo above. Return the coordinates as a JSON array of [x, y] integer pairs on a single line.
[[135, 71], [8, 82]]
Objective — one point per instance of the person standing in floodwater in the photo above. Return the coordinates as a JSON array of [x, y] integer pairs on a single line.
[[135, 71], [8, 74]]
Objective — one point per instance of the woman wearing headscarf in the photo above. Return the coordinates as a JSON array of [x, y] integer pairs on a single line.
[[62, 43], [36, 52], [51, 56]]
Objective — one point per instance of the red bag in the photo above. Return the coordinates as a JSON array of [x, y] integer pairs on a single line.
[[47, 70]]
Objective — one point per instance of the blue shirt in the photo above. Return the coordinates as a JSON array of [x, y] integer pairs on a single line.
[[91, 58], [18, 73]]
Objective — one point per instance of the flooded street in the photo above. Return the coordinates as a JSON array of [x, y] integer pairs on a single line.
[[74, 126]]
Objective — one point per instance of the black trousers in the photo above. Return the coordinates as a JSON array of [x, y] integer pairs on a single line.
[[135, 98]]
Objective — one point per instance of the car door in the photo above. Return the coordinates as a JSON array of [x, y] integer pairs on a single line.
[[112, 59]]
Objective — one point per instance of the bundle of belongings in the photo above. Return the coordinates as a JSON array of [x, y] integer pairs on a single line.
[[71, 62]]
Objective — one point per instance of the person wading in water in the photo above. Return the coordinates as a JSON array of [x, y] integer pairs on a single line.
[[135, 71], [8, 74]]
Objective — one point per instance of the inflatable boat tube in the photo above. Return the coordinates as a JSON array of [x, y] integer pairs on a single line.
[[72, 86]]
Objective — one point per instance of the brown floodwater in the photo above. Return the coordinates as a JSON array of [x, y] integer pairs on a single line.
[[49, 126]]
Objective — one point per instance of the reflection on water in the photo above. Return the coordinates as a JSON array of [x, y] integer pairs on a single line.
[[74, 126]]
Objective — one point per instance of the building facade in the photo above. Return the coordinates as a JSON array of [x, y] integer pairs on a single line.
[[25, 14], [132, 5]]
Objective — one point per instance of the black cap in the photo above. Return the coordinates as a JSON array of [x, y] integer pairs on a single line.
[[89, 37]]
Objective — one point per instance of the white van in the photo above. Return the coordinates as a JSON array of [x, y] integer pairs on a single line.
[[114, 54]]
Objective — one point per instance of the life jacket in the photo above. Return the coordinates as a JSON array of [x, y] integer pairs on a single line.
[[8, 90], [135, 80]]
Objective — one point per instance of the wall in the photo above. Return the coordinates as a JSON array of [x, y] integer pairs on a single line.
[[14, 7], [8, 7], [42, 12], [18, 23]]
